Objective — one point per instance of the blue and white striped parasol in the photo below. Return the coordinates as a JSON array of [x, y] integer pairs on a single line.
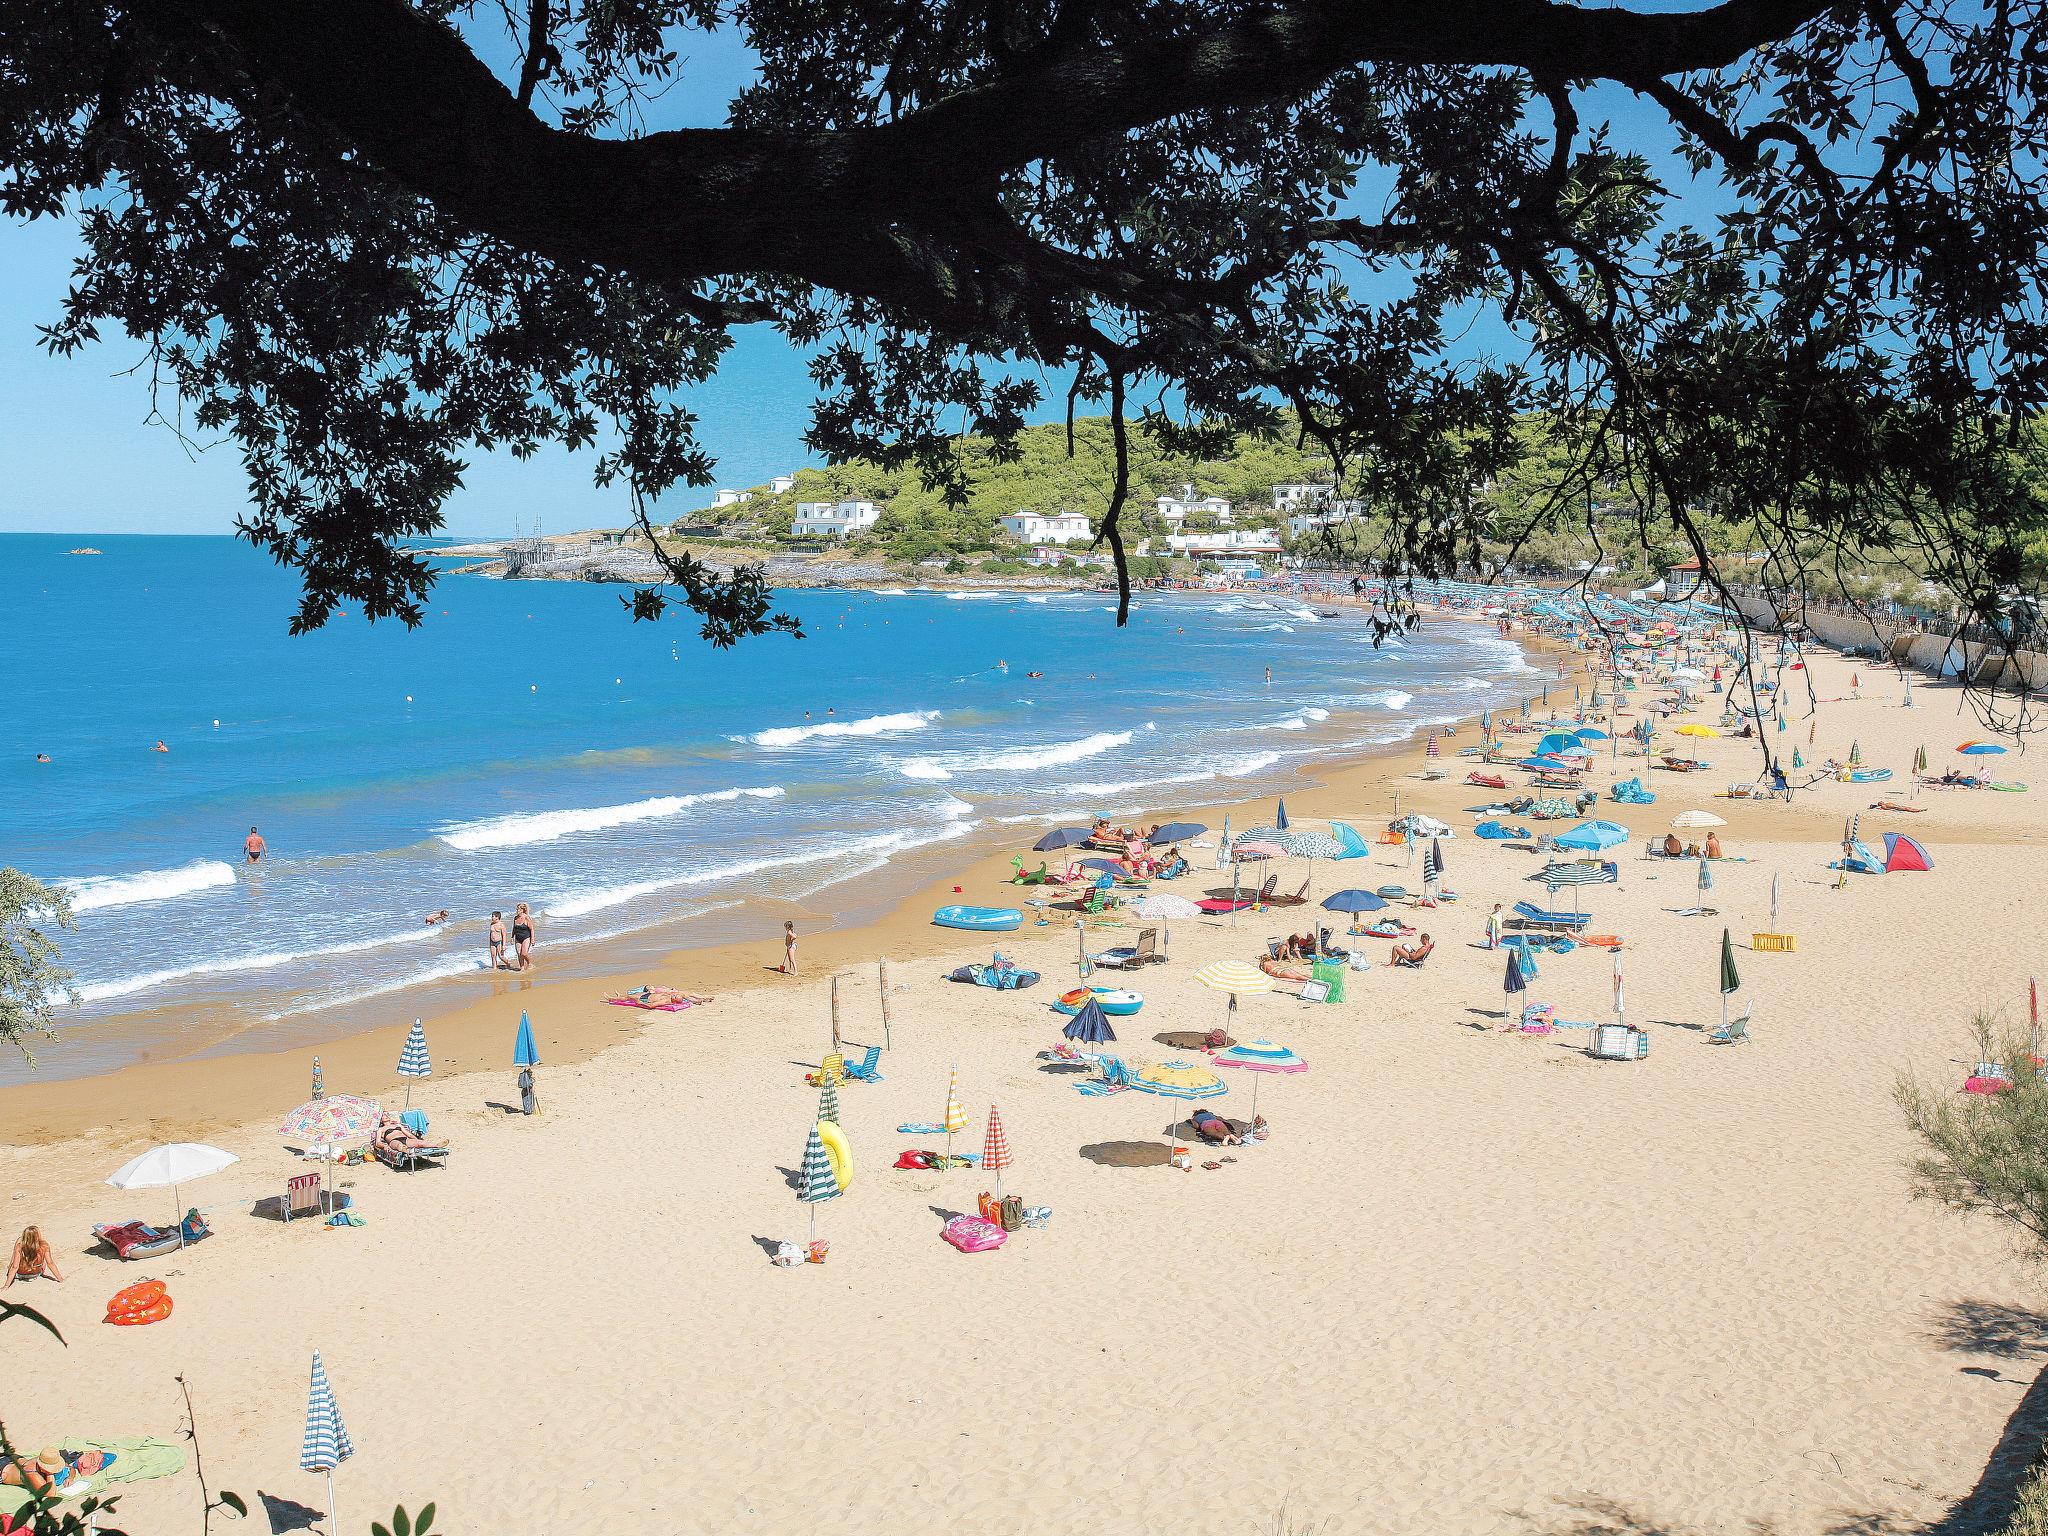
[[327, 1444], [413, 1060]]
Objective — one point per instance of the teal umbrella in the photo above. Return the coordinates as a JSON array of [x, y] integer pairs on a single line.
[[524, 1052], [1706, 877], [1280, 817]]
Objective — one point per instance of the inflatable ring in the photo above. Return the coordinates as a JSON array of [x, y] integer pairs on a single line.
[[1077, 997], [135, 1317], [144, 1293], [838, 1151]]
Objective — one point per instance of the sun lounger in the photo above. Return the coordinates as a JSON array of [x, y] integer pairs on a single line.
[[865, 1070], [140, 1240], [1537, 917], [1737, 1032], [408, 1147], [1299, 898], [1129, 957], [1116, 1077]]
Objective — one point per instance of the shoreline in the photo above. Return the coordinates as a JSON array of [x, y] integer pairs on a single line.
[[216, 1082]]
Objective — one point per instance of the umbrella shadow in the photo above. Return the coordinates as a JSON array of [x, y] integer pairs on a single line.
[[288, 1514], [509, 1109], [1698, 1029], [943, 1213], [791, 1177], [768, 1245], [1187, 1039], [1126, 1154]]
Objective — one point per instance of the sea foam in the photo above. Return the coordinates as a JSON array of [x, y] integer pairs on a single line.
[[874, 725], [94, 892], [1014, 759], [545, 826]]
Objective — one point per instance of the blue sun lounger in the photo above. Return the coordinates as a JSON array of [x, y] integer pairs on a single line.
[[866, 1069], [1536, 917]]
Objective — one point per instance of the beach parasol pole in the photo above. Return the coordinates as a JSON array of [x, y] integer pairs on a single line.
[[835, 1013], [882, 982]]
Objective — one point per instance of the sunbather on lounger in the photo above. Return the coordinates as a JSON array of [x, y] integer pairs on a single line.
[[398, 1139], [1413, 954]]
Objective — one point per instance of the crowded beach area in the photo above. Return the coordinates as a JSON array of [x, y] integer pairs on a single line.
[[1497, 1133]]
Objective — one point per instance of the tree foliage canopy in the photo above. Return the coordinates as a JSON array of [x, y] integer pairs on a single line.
[[32, 975], [358, 251]]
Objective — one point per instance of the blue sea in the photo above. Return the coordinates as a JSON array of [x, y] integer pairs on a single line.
[[530, 742]]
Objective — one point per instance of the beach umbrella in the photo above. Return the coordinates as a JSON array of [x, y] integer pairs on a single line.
[[1353, 902], [1593, 837], [1165, 907], [1591, 732], [1706, 877], [1103, 866], [1249, 848], [1280, 816], [1260, 1057], [1685, 819], [1090, 1026], [176, 1163], [1223, 843], [1620, 1007], [1432, 865], [1697, 730], [319, 1080], [326, 1445], [326, 1125], [1178, 831], [1178, 1080], [1980, 748], [828, 1102], [995, 1149], [1236, 978], [1774, 899], [1429, 748], [1730, 980], [955, 1118], [815, 1181], [524, 1052], [1065, 837], [1511, 984], [2033, 1018], [1856, 754], [1920, 759], [413, 1060]]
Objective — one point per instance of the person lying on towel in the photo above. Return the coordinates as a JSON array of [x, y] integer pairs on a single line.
[[1214, 1129], [1413, 954]]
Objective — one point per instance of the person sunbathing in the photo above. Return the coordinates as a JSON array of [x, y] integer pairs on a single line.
[[656, 997], [1214, 1129], [396, 1137], [1413, 954], [32, 1259], [1280, 970], [1299, 946]]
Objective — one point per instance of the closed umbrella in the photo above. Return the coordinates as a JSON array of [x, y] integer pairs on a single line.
[[413, 1060], [815, 1181], [1774, 900], [995, 1149], [956, 1116], [1432, 867], [1620, 1011], [326, 1445], [1730, 980], [828, 1102], [525, 1056], [1236, 978], [319, 1080], [177, 1163], [1280, 816], [1706, 877], [1259, 1057], [1511, 984]]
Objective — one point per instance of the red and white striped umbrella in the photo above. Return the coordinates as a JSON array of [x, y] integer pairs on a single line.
[[1429, 747], [995, 1148]]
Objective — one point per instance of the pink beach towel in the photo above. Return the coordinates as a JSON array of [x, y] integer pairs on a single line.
[[633, 1002]]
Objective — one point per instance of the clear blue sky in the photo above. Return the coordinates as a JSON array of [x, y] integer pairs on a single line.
[[77, 456]]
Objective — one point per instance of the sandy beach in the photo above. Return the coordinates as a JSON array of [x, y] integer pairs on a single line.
[[1475, 1281]]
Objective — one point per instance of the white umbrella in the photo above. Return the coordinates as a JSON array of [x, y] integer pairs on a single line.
[[177, 1163], [1165, 906], [1697, 819]]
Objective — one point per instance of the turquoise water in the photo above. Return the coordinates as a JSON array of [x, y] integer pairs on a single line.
[[529, 742]]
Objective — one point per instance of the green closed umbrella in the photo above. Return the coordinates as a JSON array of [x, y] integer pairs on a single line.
[[828, 1103], [815, 1182], [1731, 980]]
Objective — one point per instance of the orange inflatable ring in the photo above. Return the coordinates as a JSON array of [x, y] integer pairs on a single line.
[[1078, 996], [144, 1293], [156, 1312]]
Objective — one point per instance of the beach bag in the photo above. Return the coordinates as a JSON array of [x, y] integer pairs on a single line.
[[990, 1207], [1010, 1213], [970, 1234], [786, 1256]]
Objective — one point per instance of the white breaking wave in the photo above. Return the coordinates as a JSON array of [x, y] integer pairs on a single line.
[[1394, 698], [972, 597], [126, 986], [1015, 758], [891, 592], [1037, 599], [546, 826], [953, 808], [1227, 768], [1301, 719], [599, 899], [874, 725], [91, 893]]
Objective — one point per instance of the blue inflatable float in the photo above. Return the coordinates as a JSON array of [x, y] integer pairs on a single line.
[[981, 919]]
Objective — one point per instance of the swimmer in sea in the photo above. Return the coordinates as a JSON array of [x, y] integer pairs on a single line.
[[1034, 674], [159, 747], [253, 847], [434, 918], [42, 757]]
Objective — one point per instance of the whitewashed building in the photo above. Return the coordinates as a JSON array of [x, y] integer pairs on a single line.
[[1225, 541], [1331, 516], [1175, 510], [833, 519], [731, 498], [780, 484], [1292, 498], [1047, 527]]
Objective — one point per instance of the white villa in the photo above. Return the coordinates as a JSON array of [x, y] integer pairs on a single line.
[[1228, 541], [1047, 528], [1175, 510], [1330, 516], [1289, 498], [780, 484], [833, 519], [731, 498]]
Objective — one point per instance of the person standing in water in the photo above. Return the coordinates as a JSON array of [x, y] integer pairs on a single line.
[[497, 941], [253, 847], [789, 948], [522, 936]]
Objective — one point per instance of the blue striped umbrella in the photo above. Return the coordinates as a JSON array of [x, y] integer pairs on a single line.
[[1280, 820], [327, 1444], [413, 1060]]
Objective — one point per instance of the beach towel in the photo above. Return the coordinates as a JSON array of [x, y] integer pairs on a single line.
[[921, 1128], [127, 1461], [629, 1001]]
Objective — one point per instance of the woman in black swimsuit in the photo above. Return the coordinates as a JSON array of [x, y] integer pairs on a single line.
[[522, 935]]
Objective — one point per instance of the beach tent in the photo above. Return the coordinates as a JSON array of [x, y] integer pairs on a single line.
[[1593, 837], [1902, 852], [1354, 846]]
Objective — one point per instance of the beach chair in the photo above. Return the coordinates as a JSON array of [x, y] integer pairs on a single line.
[[404, 1159], [1116, 1077], [302, 1196], [831, 1070], [1773, 943], [1269, 898], [1737, 1032], [1131, 956], [1100, 898], [1561, 922], [865, 1070]]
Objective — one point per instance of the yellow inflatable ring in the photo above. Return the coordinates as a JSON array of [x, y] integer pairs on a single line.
[[837, 1149]]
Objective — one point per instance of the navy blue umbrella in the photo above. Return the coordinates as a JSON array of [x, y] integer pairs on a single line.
[[1353, 901], [1066, 837], [1280, 820], [1107, 866], [1177, 831], [1090, 1025]]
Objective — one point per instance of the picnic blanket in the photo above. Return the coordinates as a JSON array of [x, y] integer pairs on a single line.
[[134, 1460]]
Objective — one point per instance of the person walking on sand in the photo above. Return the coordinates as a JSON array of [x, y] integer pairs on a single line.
[[522, 936], [253, 847], [1493, 927], [789, 948], [497, 941]]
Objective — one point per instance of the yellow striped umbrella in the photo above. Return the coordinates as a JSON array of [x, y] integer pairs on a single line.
[[1697, 730], [1178, 1080], [956, 1116], [1236, 978]]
